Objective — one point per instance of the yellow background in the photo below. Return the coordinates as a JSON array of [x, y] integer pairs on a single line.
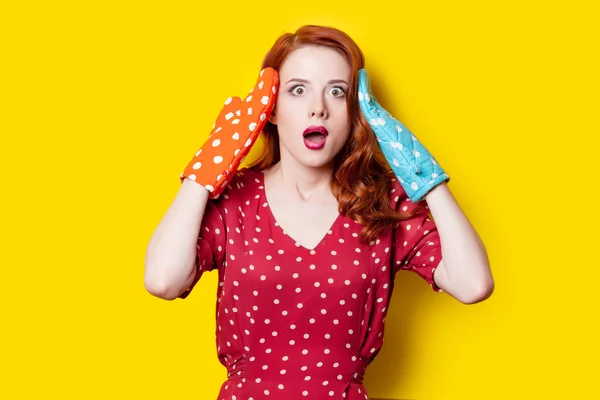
[[104, 103]]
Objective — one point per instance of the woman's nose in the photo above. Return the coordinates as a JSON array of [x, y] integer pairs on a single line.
[[319, 110], [319, 113]]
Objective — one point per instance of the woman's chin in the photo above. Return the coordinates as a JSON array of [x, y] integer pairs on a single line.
[[312, 158], [316, 160]]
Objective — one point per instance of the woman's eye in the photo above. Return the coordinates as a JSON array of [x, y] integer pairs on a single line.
[[297, 90], [337, 92]]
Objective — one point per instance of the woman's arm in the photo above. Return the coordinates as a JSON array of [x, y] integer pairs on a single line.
[[170, 265], [464, 271]]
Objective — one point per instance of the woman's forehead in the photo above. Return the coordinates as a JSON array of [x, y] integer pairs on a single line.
[[317, 63]]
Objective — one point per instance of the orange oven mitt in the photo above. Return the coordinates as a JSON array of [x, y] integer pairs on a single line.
[[235, 131]]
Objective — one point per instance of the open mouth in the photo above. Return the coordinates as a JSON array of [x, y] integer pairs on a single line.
[[315, 137]]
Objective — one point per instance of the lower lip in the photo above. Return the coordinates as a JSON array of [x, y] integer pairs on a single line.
[[315, 145]]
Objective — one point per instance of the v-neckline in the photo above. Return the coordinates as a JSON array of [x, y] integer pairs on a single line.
[[284, 232]]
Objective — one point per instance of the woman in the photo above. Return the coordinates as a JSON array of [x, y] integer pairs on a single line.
[[308, 239]]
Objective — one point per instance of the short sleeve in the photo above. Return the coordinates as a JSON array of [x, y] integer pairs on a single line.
[[210, 247], [416, 240]]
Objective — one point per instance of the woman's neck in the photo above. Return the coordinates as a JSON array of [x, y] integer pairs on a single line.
[[309, 183]]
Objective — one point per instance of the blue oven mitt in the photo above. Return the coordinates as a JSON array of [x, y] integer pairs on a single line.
[[416, 169]]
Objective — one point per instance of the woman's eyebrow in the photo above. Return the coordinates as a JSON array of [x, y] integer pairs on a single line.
[[307, 81]]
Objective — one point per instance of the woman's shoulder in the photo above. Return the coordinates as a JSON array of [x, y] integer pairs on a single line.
[[399, 199], [397, 193], [247, 177], [244, 184]]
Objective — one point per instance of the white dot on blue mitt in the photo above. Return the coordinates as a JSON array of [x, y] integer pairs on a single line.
[[412, 162]]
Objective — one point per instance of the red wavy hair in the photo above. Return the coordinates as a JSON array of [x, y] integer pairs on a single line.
[[361, 179]]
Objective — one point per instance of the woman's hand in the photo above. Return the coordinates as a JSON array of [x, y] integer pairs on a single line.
[[235, 131], [416, 169]]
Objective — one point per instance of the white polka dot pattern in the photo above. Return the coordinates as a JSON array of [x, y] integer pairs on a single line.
[[235, 131], [415, 167], [294, 322]]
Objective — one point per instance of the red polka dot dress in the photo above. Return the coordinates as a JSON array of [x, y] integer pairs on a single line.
[[299, 323]]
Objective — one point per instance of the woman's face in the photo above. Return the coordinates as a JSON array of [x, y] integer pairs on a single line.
[[313, 84]]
